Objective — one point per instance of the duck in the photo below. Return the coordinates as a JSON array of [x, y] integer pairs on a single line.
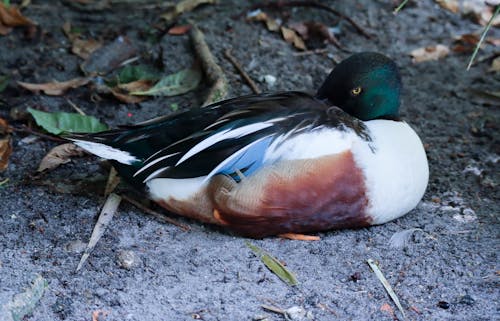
[[283, 162]]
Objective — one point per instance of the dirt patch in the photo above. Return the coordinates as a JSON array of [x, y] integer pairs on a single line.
[[207, 273]]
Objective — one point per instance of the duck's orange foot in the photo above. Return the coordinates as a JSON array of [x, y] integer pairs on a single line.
[[218, 217], [299, 237]]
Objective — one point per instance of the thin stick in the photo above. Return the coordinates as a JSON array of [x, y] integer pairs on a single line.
[[310, 52], [26, 129], [273, 309], [315, 4], [157, 215], [212, 70], [483, 35], [75, 107], [242, 72]]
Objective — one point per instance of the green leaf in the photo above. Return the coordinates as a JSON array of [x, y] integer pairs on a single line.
[[274, 265], [57, 123], [23, 304], [131, 73], [4, 81], [174, 84], [174, 107]]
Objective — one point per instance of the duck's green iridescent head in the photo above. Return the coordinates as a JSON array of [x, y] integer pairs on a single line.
[[366, 85]]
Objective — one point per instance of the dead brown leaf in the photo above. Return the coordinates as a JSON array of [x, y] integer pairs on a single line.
[[138, 85], [451, 5], [59, 155], [97, 313], [314, 33], [67, 31], [5, 144], [387, 308], [12, 17], [292, 37], [479, 11], [55, 88], [429, 53], [465, 43], [84, 48], [179, 30], [495, 64], [184, 6], [494, 41], [126, 98], [80, 47], [121, 91], [5, 152], [271, 23]]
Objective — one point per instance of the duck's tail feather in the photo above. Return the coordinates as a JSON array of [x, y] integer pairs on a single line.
[[98, 146]]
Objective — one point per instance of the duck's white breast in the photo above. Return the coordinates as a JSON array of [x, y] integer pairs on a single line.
[[396, 170]]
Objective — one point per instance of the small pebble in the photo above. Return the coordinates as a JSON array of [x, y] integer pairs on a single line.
[[355, 277], [443, 305], [128, 259], [297, 313], [76, 246], [467, 299], [270, 80]]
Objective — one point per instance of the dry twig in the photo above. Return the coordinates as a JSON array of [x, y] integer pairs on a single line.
[[212, 70], [242, 72], [26, 129]]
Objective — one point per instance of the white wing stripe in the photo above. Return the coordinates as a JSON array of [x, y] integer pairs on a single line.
[[152, 175], [225, 134], [154, 162]]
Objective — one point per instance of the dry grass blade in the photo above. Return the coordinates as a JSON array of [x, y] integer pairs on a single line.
[[242, 72], [108, 210], [113, 181], [274, 265], [56, 88], [483, 35], [386, 285], [401, 5]]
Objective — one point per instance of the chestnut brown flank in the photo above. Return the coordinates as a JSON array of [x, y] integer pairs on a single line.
[[324, 194]]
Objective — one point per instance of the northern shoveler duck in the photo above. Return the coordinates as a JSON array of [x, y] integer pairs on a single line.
[[285, 162]]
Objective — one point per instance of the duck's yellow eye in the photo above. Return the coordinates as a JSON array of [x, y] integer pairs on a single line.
[[356, 91]]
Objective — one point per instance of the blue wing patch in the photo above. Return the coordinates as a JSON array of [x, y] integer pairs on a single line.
[[246, 160]]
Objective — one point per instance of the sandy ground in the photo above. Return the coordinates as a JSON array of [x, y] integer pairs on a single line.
[[209, 274]]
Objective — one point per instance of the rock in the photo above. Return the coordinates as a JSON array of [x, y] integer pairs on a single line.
[[128, 259]]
